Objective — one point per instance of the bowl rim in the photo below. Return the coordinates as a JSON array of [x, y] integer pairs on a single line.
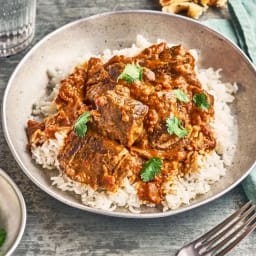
[[80, 206], [23, 209]]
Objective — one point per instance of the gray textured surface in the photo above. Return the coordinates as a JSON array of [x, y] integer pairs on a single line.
[[56, 229]]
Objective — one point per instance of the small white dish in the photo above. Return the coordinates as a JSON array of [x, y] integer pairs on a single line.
[[12, 213]]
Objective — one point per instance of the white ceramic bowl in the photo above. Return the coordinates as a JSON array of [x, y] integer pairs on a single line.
[[117, 30]]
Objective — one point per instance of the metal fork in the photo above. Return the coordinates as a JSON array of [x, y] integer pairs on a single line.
[[221, 239]]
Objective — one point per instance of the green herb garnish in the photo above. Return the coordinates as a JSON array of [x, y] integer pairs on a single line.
[[181, 96], [200, 99], [131, 73], [2, 236], [151, 168], [80, 127], [174, 127]]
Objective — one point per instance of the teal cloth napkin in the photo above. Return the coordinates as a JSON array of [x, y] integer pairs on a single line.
[[241, 29]]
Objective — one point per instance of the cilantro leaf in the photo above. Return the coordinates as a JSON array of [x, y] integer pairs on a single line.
[[200, 99], [80, 127], [131, 73], [181, 96], [151, 168], [174, 127], [2, 236]]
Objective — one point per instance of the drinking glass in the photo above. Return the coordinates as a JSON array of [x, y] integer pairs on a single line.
[[17, 25]]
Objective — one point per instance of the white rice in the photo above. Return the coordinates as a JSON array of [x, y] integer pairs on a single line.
[[181, 190]]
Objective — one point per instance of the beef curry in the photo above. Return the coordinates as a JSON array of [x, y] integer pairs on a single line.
[[159, 116]]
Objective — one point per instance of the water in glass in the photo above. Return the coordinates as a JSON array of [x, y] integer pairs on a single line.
[[17, 25]]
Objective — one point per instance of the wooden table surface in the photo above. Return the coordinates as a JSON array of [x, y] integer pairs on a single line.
[[57, 229]]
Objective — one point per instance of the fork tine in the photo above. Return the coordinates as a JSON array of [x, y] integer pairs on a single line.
[[242, 216], [221, 225], [233, 234], [237, 240], [221, 239]]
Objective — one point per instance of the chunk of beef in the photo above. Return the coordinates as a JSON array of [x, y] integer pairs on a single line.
[[173, 62], [96, 90], [116, 65], [94, 160], [121, 117], [98, 80]]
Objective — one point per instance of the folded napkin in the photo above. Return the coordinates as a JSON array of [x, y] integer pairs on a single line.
[[241, 29]]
